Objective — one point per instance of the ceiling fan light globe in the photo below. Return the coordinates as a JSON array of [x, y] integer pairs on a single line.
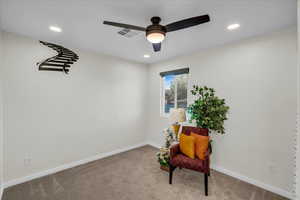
[[155, 37]]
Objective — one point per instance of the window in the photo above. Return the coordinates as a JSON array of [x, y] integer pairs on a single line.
[[174, 90]]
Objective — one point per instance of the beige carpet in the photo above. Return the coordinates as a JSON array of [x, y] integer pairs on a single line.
[[133, 175]]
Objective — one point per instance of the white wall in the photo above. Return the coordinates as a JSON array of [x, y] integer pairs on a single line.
[[298, 116], [54, 119], [257, 77], [1, 116]]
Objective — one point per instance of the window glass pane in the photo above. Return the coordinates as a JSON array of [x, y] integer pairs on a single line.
[[181, 90], [169, 90]]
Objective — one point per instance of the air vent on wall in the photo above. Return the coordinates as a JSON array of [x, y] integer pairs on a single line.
[[61, 62]]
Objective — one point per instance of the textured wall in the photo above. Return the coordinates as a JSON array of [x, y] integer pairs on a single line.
[[257, 77]]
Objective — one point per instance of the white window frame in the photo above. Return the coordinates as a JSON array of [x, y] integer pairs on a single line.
[[162, 96]]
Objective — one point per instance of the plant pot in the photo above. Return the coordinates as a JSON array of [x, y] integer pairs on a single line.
[[165, 168]]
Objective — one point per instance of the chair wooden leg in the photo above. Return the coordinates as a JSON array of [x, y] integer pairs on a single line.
[[171, 169], [206, 184]]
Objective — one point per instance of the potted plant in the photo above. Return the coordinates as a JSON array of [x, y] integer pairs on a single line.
[[163, 156], [208, 110]]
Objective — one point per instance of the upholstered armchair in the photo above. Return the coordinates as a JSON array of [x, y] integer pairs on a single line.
[[177, 159]]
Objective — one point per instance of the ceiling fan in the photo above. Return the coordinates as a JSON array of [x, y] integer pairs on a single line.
[[155, 33]]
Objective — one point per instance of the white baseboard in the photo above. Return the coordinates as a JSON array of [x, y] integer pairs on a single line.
[[103, 155], [252, 181], [154, 145], [257, 183], [69, 165]]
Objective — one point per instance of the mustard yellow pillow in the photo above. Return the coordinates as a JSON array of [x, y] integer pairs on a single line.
[[187, 145], [201, 144]]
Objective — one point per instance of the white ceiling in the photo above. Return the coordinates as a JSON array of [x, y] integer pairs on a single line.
[[81, 21]]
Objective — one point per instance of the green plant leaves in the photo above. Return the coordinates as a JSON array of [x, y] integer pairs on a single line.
[[208, 110]]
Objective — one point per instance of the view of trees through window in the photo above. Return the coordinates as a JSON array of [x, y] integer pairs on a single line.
[[175, 91]]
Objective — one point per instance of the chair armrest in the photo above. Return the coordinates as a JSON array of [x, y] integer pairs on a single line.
[[174, 150], [210, 147], [208, 151], [207, 154], [207, 161]]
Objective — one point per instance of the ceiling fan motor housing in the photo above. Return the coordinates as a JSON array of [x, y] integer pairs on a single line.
[[155, 20], [156, 29]]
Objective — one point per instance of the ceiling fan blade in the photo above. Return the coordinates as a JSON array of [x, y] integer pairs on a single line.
[[156, 46], [186, 23], [128, 26]]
